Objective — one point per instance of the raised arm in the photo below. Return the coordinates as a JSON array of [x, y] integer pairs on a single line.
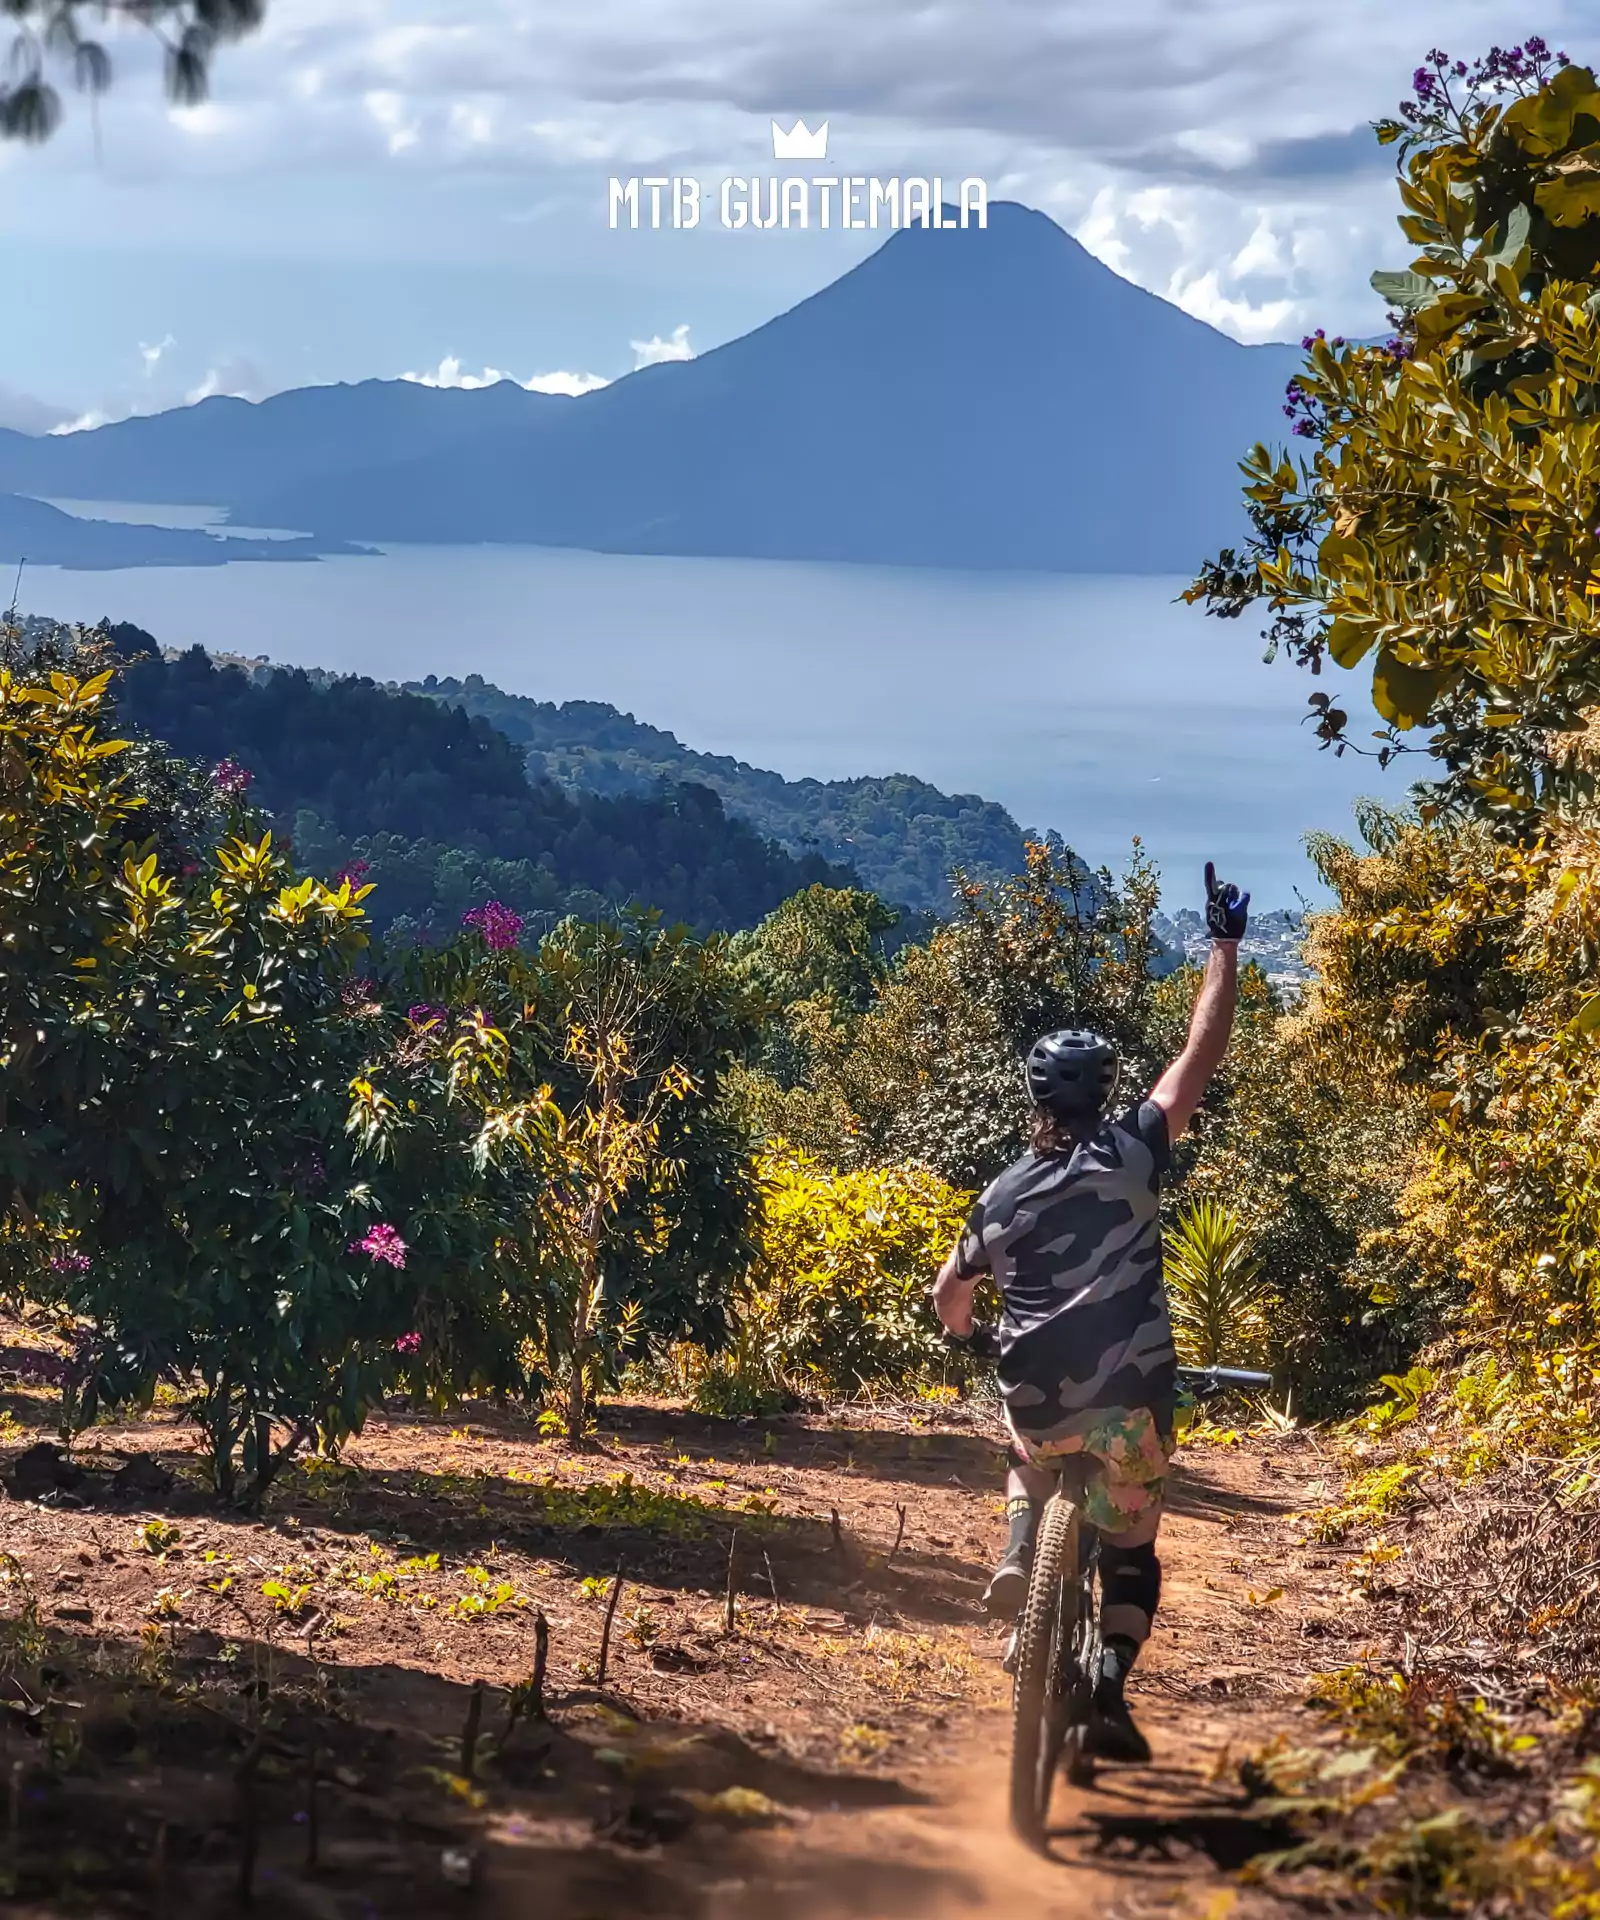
[[1179, 1090]]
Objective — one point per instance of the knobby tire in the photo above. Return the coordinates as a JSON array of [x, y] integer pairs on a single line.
[[1040, 1699]]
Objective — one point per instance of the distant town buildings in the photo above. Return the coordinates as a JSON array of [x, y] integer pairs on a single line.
[[1273, 943]]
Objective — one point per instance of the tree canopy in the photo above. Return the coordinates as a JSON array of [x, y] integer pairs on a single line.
[[1446, 527]]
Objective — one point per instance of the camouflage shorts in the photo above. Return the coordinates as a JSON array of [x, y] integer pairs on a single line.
[[1127, 1477]]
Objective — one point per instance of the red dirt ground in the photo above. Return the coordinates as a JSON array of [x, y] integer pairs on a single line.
[[248, 1693]]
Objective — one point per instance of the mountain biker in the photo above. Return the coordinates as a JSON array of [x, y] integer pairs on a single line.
[[1071, 1235]]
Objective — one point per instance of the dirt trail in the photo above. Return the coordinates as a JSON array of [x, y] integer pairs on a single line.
[[1247, 1617], [851, 1705]]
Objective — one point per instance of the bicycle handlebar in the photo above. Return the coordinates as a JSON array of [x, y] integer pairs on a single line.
[[1214, 1379], [984, 1344]]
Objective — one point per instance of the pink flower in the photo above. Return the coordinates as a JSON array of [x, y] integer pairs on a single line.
[[500, 926], [408, 1343], [229, 780], [381, 1243]]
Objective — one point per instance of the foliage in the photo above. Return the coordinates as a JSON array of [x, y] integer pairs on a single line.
[[634, 1195], [836, 1298], [1217, 1287], [902, 836], [1446, 523], [1312, 1158], [48, 36], [184, 1104], [933, 1071], [817, 959], [439, 810]]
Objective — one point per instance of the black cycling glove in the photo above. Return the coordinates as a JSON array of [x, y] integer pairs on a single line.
[[983, 1343], [1227, 909]]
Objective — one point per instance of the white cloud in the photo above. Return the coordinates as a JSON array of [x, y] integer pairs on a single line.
[[152, 355], [1250, 116], [451, 373], [655, 350], [569, 383], [84, 423]]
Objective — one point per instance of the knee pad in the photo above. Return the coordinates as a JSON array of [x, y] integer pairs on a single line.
[[1130, 1579]]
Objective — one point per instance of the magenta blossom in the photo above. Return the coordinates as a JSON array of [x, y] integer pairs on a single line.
[[229, 780], [500, 926], [422, 1015], [355, 871], [408, 1343], [69, 1261], [381, 1243]]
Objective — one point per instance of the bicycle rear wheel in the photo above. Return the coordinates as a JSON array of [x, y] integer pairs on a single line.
[[1041, 1686]]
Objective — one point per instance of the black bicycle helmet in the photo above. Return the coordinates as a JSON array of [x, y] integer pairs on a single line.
[[1073, 1072]]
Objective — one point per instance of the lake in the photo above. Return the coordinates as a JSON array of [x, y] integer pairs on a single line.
[[1091, 704]]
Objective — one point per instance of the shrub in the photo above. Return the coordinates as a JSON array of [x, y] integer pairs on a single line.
[[1217, 1289], [836, 1299]]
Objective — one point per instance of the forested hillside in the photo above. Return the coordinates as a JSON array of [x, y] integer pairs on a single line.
[[901, 835], [438, 806]]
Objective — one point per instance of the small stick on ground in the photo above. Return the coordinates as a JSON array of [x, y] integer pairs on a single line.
[[772, 1579], [727, 1611], [605, 1631], [899, 1534], [248, 1818], [529, 1696], [541, 1661], [838, 1534], [469, 1733]]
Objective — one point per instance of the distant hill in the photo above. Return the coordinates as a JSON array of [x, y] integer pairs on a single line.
[[976, 399], [47, 537], [440, 808], [902, 836]]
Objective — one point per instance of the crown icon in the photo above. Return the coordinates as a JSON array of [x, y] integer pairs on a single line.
[[799, 142]]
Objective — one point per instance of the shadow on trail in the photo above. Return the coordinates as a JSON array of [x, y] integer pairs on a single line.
[[340, 1793], [1167, 1814]]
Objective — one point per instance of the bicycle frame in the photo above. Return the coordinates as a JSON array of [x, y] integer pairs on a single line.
[[1055, 1649]]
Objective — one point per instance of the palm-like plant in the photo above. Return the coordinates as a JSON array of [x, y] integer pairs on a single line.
[[1216, 1288]]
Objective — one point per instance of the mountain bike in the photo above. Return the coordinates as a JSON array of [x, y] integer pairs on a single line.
[[1055, 1652]]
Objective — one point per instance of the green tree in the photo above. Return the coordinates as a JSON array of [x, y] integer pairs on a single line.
[[932, 1073], [188, 1120], [1447, 524], [634, 1193]]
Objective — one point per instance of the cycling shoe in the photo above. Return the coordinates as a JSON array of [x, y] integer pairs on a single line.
[[1008, 1588], [1112, 1735]]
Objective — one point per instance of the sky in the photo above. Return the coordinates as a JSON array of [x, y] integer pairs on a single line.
[[419, 187]]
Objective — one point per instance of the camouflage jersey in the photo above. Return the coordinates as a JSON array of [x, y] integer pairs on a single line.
[[1074, 1244]]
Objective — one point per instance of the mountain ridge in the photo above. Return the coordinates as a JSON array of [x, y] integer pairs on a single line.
[[982, 398]]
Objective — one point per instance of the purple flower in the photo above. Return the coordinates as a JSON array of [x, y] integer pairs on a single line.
[[500, 926], [408, 1343], [424, 1016], [68, 1261], [355, 871], [381, 1243], [229, 780]]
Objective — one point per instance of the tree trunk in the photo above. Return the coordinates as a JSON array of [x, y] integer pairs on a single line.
[[582, 1313]]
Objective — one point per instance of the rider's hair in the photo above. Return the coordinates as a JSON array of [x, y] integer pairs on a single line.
[[1060, 1133]]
